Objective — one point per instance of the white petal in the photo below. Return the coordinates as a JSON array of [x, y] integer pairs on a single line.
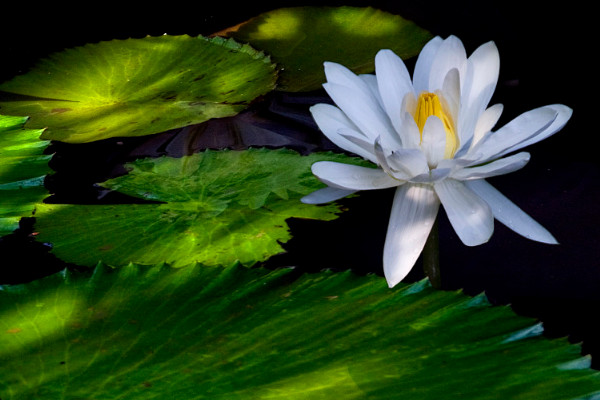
[[483, 69], [455, 163], [326, 195], [450, 54], [365, 145], [487, 121], [382, 160], [451, 93], [411, 161], [498, 167], [563, 114], [371, 81], [409, 131], [470, 216], [432, 176], [341, 75], [480, 79], [434, 141], [393, 82], [535, 123], [409, 106], [510, 214], [413, 214], [363, 111], [352, 177], [331, 120], [468, 117], [424, 64]]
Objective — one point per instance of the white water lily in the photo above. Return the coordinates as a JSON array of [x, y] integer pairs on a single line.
[[431, 137]]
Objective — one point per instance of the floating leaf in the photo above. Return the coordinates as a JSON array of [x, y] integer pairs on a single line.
[[138, 87], [23, 167], [215, 207], [235, 333], [300, 39]]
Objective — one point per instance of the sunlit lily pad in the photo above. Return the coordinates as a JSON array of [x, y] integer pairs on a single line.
[[137, 87], [214, 207], [235, 333], [23, 166], [300, 39]]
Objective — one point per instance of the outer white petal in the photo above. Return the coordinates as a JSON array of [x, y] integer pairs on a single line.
[[341, 75], [483, 68], [424, 64], [498, 167], [413, 214], [480, 79], [394, 83], [487, 121], [364, 111], [366, 145], [326, 195], [537, 123], [470, 216], [450, 55], [510, 214], [434, 141], [563, 114], [331, 120], [352, 177], [371, 81]]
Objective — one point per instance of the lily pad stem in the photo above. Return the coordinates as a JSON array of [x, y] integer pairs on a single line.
[[431, 257]]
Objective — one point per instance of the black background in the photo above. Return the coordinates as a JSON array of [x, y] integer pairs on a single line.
[[547, 56]]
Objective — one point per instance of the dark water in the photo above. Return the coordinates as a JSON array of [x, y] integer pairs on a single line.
[[541, 63]]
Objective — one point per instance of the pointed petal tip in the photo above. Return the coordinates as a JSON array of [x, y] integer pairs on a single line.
[[392, 282], [394, 276], [306, 200], [566, 111], [395, 273], [543, 237]]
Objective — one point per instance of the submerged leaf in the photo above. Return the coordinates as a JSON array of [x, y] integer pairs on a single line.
[[235, 333], [137, 87], [23, 167], [214, 207], [300, 39]]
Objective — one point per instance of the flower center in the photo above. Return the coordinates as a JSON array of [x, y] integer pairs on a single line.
[[429, 104]]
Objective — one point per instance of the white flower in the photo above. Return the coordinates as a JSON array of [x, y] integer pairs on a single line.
[[432, 138]]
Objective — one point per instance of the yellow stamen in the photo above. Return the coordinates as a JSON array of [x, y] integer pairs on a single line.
[[429, 104]]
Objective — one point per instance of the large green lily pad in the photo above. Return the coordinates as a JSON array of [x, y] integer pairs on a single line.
[[214, 207], [300, 39], [23, 167], [235, 333], [137, 87]]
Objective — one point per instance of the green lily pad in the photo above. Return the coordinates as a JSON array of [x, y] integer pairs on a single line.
[[137, 87], [23, 167], [235, 333], [214, 207], [300, 39]]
